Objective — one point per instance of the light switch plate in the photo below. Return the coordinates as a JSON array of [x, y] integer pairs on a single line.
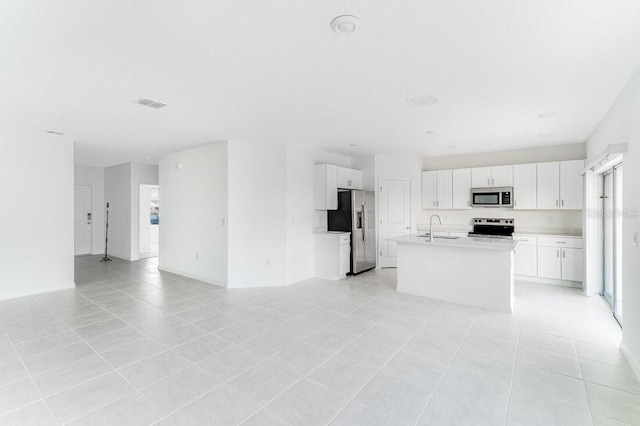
[[635, 238]]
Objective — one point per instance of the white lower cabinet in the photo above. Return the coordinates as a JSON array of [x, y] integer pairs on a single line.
[[572, 264], [549, 263], [526, 257], [332, 255], [560, 258]]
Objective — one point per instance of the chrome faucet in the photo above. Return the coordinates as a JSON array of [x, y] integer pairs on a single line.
[[431, 226]]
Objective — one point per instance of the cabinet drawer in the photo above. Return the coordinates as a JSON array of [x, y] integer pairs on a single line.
[[344, 238], [526, 240], [562, 242]]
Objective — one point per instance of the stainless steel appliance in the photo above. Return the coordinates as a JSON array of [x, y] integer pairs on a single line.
[[493, 228], [492, 197], [356, 214]]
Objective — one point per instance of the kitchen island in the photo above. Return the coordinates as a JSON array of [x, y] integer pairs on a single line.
[[471, 271]]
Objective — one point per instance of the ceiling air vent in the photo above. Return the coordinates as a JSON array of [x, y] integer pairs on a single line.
[[150, 103], [423, 101]]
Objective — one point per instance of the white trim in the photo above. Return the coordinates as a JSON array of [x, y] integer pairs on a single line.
[[632, 362], [549, 281], [606, 159], [195, 277]]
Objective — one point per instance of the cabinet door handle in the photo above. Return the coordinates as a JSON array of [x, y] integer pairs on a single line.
[[556, 203], [564, 254], [492, 182], [562, 203], [437, 203], [561, 242], [489, 182], [433, 203], [558, 253]]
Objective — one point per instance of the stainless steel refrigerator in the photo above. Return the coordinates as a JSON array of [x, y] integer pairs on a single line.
[[356, 214]]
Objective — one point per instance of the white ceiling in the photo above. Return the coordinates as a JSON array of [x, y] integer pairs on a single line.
[[273, 71]]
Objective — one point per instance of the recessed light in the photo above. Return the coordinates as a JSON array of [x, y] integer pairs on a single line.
[[546, 135], [451, 146], [353, 144], [430, 132], [53, 132], [549, 114], [345, 24]]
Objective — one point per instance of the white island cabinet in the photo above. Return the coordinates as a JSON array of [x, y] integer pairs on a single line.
[[433, 269]]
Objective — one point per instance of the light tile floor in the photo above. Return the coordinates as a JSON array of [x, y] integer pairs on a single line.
[[132, 346]]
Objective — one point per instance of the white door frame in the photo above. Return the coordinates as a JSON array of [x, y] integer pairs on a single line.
[[379, 215]]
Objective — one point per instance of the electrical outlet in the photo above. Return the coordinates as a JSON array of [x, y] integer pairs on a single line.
[[635, 238], [197, 256], [223, 221], [267, 261]]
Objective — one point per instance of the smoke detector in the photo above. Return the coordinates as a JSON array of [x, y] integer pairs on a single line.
[[345, 24], [150, 103]]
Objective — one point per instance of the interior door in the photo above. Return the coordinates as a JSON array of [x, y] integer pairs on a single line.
[[395, 217], [82, 219]]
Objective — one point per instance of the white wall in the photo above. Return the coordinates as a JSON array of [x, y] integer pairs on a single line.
[[301, 217], [257, 214], [368, 167], [622, 125], [520, 156], [94, 177], [141, 174], [193, 215], [117, 192], [36, 213]]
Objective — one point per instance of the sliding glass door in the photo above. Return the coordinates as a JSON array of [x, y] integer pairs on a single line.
[[612, 240]]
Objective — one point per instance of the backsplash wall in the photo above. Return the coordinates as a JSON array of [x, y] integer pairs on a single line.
[[537, 219]]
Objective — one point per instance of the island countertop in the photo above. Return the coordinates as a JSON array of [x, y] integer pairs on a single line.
[[463, 242]]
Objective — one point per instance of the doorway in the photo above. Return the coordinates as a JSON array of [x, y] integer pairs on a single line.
[[612, 240], [149, 221], [395, 217], [82, 221]]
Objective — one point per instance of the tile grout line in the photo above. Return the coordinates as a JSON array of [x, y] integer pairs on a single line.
[[513, 376], [446, 370], [33, 382]]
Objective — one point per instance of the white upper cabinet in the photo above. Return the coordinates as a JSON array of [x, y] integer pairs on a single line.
[[429, 190], [461, 196], [571, 184], [445, 189], [497, 176], [481, 177], [437, 189], [524, 186], [325, 187], [560, 185], [502, 176], [349, 178], [548, 185]]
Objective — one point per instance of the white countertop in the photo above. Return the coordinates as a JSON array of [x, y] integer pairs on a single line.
[[466, 242]]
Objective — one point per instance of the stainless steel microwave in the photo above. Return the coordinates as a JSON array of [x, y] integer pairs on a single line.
[[492, 197]]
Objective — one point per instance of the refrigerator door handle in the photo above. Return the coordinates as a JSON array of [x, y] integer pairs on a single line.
[[364, 220]]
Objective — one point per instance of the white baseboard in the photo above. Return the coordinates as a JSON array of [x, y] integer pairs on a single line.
[[632, 361], [549, 281], [195, 277]]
